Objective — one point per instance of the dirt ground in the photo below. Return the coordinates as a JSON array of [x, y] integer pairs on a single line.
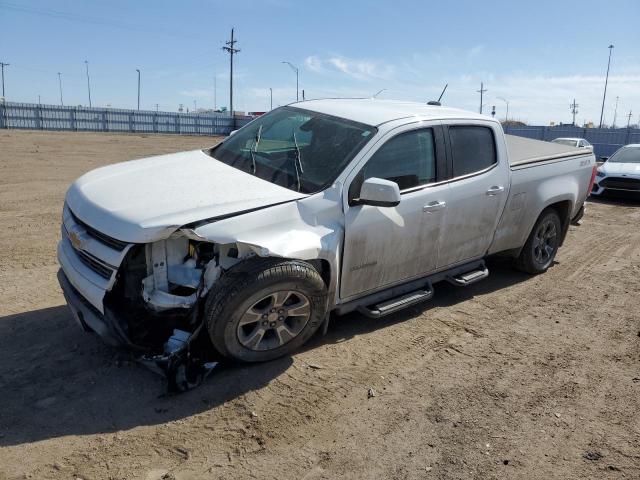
[[515, 377]]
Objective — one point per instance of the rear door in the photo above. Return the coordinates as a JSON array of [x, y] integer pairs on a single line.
[[478, 191]]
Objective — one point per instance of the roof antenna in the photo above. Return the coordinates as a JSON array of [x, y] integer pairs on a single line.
[[378, 93], [437, 102]]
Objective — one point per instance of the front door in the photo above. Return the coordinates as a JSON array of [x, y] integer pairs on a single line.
[[386, 245]]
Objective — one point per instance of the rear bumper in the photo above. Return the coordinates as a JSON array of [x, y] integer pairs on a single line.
[[88, 317]]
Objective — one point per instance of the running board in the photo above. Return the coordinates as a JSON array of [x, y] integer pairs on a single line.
[[467, 278], [395, 304]]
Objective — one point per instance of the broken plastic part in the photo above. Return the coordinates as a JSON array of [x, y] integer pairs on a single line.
[[176, 341], [160, 300]]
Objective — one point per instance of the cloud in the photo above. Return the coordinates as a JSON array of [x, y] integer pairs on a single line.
[[362, 69], [358, 69], [313, 63], [475, 51]]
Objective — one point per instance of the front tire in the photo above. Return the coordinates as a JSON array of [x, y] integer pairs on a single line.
[[541, 247], [265, 308]]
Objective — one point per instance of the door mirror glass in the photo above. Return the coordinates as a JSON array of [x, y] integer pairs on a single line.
[[379, 192]]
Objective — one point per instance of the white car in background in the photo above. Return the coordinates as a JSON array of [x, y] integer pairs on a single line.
[[620, 173], [573, 142]]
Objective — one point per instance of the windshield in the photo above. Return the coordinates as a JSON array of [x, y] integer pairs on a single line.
[[626, 155], [298, 149], [566, 141]]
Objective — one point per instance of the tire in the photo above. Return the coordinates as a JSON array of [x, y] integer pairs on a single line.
[[286, 300], [541, 247]]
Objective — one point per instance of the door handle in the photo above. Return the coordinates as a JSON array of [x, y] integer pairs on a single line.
[[433, 206], [495, 190]]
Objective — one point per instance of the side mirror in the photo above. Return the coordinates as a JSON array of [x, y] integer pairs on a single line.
[[379, 193]]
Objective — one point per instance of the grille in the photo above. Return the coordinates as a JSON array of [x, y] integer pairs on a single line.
[[93, 264], [101, 237], [621, 183]]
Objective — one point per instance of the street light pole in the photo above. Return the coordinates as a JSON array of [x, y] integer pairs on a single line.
[[86, 63], [2, 64], [271, 98], [295, 69], [506, 116], [138, 70], [60, 84], [606, 81], [615, 113]]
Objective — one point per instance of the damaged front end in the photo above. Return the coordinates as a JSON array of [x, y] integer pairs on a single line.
[[148, 298]]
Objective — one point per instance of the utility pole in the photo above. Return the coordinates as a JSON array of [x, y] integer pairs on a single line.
[[60, 84], [615, 113], [629, 120], [157, 107], [2, 64], [295, 69], [138, 70], [303, 94], [606, 81], [232, 50], [271, 98], [38, 99], [574, 110], [86, 63], [481, 92]]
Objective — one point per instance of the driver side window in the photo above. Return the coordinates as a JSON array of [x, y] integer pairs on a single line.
[[408, 159]]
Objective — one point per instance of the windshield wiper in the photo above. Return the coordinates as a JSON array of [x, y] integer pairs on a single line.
[[298, 161], [254, 150]]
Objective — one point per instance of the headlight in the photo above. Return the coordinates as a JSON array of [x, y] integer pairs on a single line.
[[600, 174]]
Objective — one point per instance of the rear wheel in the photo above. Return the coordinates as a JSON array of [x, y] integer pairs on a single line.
[[542, 245], [265, 308]]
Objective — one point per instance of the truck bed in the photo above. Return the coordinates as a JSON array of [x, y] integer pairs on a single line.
[[524, 150]]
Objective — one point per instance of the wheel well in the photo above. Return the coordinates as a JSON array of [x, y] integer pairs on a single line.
[[563, 209], [324, 269]]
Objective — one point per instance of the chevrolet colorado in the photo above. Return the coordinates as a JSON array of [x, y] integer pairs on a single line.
[[321, 206]]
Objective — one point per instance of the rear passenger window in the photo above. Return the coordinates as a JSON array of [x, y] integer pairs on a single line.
[[473, 149], [408, 159]]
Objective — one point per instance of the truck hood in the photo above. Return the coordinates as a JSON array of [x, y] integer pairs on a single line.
[[615, 168], [145, 200]]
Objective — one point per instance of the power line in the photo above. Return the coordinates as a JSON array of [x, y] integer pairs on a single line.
[[230, 48], [47, 12]]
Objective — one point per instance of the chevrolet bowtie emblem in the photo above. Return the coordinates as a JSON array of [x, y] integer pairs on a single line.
[[75, 240]]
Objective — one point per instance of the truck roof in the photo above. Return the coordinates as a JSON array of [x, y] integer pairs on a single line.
[[372, 111]]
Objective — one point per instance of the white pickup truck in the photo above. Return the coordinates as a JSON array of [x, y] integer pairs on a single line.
[[322, 206]]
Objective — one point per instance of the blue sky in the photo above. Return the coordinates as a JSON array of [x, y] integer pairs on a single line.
[[538, 55]]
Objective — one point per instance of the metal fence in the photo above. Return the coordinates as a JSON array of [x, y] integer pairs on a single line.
[[85, 119], [605, 141]]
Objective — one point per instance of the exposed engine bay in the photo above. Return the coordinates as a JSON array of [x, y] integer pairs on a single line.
[[158, 299]]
